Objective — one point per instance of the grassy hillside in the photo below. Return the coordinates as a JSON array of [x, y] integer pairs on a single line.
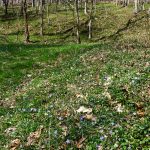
[[68, 96], [46, 85]]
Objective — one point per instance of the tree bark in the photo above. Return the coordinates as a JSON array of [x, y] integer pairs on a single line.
[[90, 20], [33, 3], [6, 2], [85, 7], [42, 17], [26, 22], [77, 21], [136, 6]]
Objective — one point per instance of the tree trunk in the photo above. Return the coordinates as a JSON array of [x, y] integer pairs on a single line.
[[6, 9], [26, 22], [90, 20], [42, 17], [6, 2], [116, 2], [85, 7], [48, 18], [77, 21], [33, 3], [1, 3], [136, 6]]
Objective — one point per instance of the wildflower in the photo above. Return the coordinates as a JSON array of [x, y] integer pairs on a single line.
[[60, 118], [102, 138], [68, 141], [99, 147], [81, 118]]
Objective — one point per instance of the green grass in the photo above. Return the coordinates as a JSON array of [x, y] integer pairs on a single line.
[[45, 84], [44, 81]]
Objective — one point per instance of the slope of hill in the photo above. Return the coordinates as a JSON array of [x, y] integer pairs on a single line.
[[83, 95], [69, 96]]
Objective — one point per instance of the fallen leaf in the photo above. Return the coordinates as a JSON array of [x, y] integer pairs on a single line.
[[107, 94], [15, 144], [63, 146], [65, 130], [90, 117], [83, 109], [79, 144], [119, 108], [10, 130], [141, 113], [139, 106], [34, 136], [79, 95], [64, 113]]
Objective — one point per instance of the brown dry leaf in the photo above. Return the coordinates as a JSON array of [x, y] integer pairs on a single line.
[[83, 109], [79, 144], [15, 144], [62, 147], [34, 136], [141, 113], [79, 95], [139, 105], [64, 113], [90, 117], [65, 130]]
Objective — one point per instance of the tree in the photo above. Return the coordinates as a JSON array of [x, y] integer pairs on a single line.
[[90, 20], [26, 32], [33, 3], [136, 6], [42, 16], [85, 7], [6, 2], [77, 21]]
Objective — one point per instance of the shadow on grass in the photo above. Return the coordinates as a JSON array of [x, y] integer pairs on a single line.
[[15, 47]]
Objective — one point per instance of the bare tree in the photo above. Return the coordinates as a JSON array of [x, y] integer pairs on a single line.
[[26, 21], [85, 6], [42, 17], [33, 3], [77, 21], [136, 6], [90, 19], [6, 2]]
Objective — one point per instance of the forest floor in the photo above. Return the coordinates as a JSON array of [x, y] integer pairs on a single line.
[[67, 96]]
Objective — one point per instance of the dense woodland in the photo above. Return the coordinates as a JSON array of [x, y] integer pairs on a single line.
[[74, 74]]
